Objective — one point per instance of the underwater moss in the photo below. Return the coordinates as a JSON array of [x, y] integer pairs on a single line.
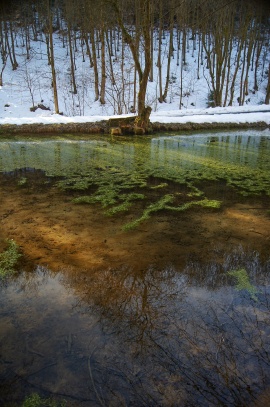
[[106, 169], [126, 205], [195, 192], [34, 400], [162, 185], [109, 197], [154, 207], [205, 203], [9, 259], [22, 181], [123, 207], [164, 202], [84, 200], [243, 282]]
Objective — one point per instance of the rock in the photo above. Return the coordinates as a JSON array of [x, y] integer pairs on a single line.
[[116, 131], [42, 107]]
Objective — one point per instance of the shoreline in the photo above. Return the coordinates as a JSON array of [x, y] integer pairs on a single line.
[[102, 127]]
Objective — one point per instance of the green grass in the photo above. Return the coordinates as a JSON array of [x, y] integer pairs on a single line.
[[9, 259]]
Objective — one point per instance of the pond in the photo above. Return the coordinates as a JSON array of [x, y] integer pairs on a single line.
[[144, 276]]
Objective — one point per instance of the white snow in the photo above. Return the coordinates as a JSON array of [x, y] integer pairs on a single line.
[[31, 82], [162, 117]]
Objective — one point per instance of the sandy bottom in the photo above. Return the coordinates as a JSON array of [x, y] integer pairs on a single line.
[[54, 232], [94, 328]]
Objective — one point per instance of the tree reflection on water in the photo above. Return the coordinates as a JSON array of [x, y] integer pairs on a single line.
[[150, 338], [177, 339]]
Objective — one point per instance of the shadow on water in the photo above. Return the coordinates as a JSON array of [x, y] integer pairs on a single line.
[[174, 312], [159, 337]]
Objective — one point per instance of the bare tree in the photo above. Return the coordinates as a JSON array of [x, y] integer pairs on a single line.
[[143, 69], [51, 55], [267, 97]]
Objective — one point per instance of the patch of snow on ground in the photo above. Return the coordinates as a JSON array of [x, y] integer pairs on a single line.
[[30, 84]]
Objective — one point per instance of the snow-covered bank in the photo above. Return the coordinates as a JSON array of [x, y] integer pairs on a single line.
[[206, 119], [29, 86], [218, 117], [235, 114]]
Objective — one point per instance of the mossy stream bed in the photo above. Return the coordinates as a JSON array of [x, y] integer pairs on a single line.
[[143, 273]]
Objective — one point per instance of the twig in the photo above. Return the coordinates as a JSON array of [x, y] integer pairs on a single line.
[[40, 370], [92, 380]]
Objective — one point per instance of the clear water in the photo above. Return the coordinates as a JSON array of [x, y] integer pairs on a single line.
[[154, 316]]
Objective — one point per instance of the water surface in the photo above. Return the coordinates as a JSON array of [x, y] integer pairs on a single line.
[[101, 315]]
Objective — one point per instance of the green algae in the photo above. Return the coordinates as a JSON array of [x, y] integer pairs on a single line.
[[127, 203], [163, 204], [109, 197], [105, 171], [204, 203], [9, 259], [22, 181], [34, 400], [153, 207], [160, 186], [243, 282], [195, 192]]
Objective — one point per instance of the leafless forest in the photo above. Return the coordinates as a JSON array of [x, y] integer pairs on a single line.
[[122, 42]]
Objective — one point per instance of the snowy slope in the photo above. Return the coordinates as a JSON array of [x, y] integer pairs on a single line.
[[30, 85]]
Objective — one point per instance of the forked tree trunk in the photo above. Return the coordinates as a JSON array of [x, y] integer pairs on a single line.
[[143, 71]]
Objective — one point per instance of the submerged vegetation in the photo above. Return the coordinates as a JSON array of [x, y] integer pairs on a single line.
[[157, 206], [9, 259], [34, 400], [168, 172], [243, 282], [164, 202], [22, 181]]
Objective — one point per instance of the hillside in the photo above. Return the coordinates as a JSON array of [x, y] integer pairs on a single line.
[[182, 64]]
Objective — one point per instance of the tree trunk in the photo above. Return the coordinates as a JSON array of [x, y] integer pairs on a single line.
[[159, 65], [12, 61], [258, 54], [267, 97], [94, 56], [236, 69], [54, 83], [73, 80], [13, 46], [164, 96], [88, 51], [109, 47], [103, 68], [143, 73]]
